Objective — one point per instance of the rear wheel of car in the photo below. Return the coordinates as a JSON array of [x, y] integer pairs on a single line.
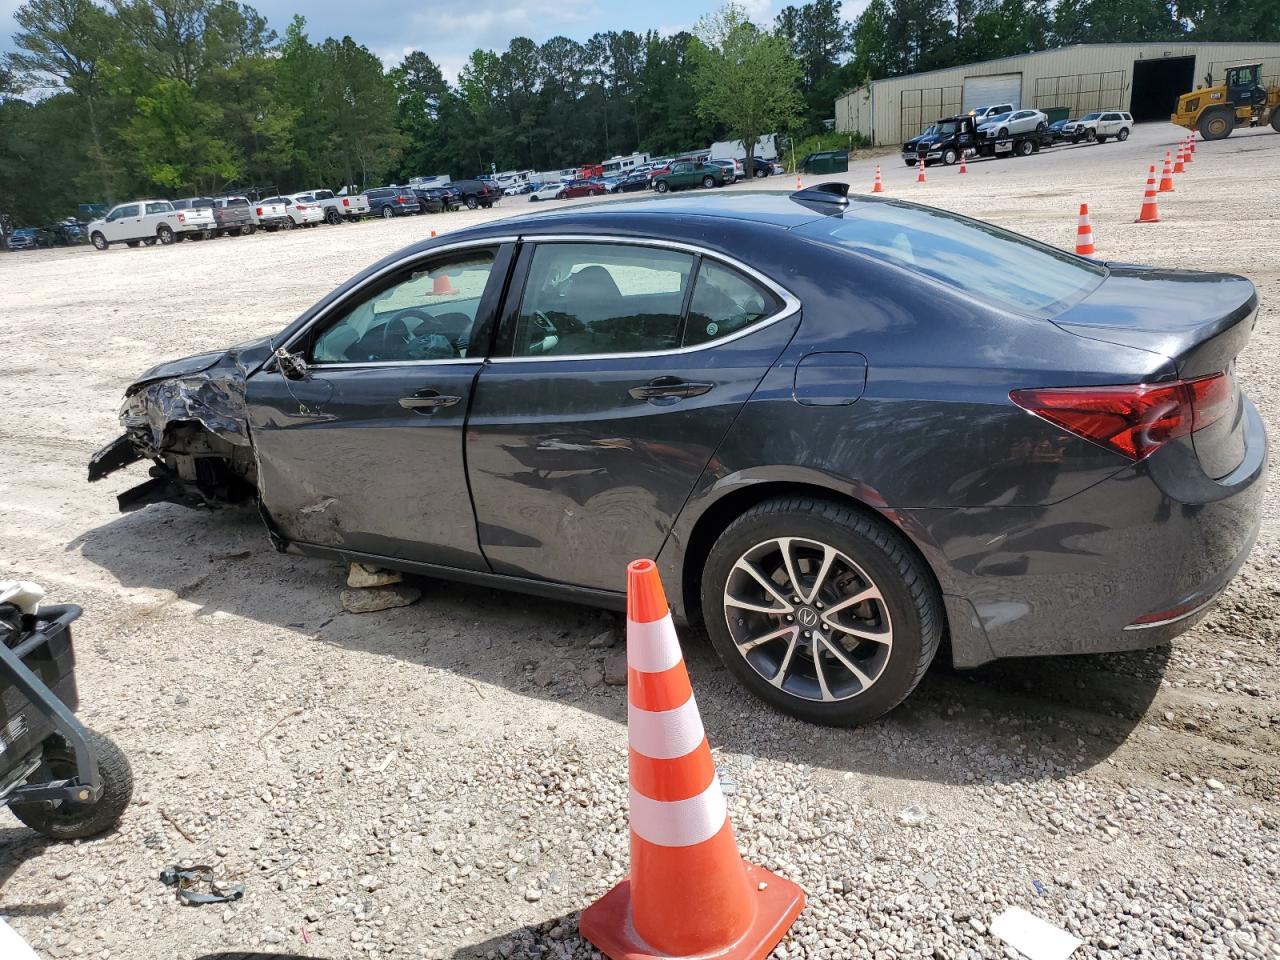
[[1004, 132], [290, 225], [165, 234], [661, 186], [472, 203], [949, 157], [1042, 126], [708, 182], [333, 216], [98, 240], [821, 610], [248, 230], [387, 213], [1123, 135]]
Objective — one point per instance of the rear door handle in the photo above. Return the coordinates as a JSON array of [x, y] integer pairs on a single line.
[[669, 387], [428, 400]]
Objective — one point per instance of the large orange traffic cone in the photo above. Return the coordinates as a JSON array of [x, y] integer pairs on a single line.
[[1166, 177], [1149, 213], [1188, 148], [690, 893], [441, 287], [1084, 233], [1177, 162], [878, 187], [920, 171], [963, 168]]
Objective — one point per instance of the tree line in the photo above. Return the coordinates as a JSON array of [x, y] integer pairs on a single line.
[[179, 97]]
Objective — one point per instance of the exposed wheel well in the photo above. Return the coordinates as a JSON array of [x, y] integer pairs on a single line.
[[728, 508]]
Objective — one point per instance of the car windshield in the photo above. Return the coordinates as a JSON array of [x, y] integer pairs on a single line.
[[944, 129], [929, 130], [984, 261]]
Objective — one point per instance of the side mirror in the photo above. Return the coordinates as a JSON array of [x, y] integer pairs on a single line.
[[293, 368]]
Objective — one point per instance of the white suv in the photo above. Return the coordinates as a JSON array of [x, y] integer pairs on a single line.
[[1100, 126], [982, 114], [139, 221]]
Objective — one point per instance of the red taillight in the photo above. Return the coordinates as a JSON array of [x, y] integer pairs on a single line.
[[301, 206], [259, 211], [1134, 420], [403, 199], [346, 202], [182, 217]]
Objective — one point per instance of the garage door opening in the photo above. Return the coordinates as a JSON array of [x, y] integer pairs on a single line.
[[1157, 84]]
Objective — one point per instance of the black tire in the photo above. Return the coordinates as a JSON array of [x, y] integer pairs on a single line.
[[1042, 126], [534, 198], [708, 182], [99, 241], [73, 821], [248, 231], [1004, 132], [290, 225], [662, 186], [1102, 138], [387, 213], [332, 216], [1091, 134], [949, 157], [759, 173], [1216, 124], [472, 203], [1024, 148], [908, 592], [1123, 135], [133, 243], [165, 234]]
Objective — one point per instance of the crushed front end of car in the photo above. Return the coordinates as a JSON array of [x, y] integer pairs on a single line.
[[188, 418]]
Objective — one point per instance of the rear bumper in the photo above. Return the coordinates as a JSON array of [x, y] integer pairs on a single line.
[[1073, 577]]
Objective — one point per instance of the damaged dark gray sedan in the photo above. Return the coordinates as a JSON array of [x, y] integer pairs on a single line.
[[845, 427]]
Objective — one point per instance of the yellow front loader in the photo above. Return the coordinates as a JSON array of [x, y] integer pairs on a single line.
[[1240, 101]]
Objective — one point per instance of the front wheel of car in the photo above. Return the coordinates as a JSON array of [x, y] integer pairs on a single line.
[[387, 213], [165, 234], [760, 173], [821, 610], [661, 186], [472, 203], [99, 241]]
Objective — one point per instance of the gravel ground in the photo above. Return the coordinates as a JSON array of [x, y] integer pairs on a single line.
[[449, 779]]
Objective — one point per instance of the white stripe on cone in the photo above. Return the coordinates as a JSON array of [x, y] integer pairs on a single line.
[[679, 823], [652, 647], [665, 734]]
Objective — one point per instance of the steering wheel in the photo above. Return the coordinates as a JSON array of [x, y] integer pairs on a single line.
[[385, 344], [550, 335]]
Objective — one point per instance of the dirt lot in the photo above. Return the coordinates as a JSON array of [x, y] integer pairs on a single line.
[[442, 780]]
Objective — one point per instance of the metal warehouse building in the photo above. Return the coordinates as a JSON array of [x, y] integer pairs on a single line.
[[1143, 78]]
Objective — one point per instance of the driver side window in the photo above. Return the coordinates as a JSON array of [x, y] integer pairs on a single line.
[[424, 314]]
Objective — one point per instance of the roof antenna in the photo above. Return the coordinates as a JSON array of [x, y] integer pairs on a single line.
[[830, 198]]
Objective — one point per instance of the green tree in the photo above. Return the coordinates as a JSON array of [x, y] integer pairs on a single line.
[[820, 40], [745, 77]]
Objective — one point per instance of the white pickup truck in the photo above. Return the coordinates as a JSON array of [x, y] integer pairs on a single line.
[[195, 219], [340, 207], [271, 216]]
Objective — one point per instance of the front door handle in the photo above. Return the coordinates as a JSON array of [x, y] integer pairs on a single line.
[[669, 387], [428, 400]]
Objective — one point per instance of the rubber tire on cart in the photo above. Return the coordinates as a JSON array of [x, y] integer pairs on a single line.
[[387, 212], [165, 234], [472, 203], [1123, 135], [949, 157], [1216, 124], [74, 821], [910, 595], [1024, 148]]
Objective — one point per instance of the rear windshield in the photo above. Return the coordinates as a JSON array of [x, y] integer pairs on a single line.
[[984, 261], [235, 202]]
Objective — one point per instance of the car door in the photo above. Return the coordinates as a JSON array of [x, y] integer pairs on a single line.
[[364, 451], [619, 367], [127, 223]]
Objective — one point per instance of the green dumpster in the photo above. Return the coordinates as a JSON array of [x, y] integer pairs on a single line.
[[1057, 113], [826, 161]]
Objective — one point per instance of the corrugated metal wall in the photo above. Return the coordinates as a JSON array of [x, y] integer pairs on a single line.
[[1081, 78]]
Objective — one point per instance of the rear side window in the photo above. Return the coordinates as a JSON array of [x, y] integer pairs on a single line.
[[235, 202], [158, 208], [724, 302], [988, 263]]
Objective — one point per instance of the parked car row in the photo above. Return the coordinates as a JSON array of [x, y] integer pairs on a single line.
[[660, 175], [995, 131]]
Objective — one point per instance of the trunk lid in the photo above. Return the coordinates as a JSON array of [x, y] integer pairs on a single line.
[[1199, 321]]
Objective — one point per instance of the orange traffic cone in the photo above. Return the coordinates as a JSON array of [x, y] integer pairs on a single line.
[[1084, 233], [441, 287], [433, 234], [1149, 213], [1191, 140], [920, 168], [799, 185], [1177, 163], [690, 893], [1166, 177], [963, 168], [878, 187], [1188, 148]]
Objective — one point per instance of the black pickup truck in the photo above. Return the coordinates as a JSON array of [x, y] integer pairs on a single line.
[[947, 140]]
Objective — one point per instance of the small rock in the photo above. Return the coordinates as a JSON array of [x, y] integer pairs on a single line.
[[592, 677], [61, 873], [543, 676], [912, 816], [363, 577], [533, 895], [1214, 784], [615, 669], [604, 640], [379, 598], [928, 880]]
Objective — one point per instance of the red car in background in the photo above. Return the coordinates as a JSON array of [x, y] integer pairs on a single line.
[[582, 188]]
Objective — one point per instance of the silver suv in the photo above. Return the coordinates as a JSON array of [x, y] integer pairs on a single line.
[[1100, 126]]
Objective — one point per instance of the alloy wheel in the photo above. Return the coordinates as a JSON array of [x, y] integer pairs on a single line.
[[808, 619]]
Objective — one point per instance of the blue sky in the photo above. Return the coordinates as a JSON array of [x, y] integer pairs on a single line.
[[448, 30]]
